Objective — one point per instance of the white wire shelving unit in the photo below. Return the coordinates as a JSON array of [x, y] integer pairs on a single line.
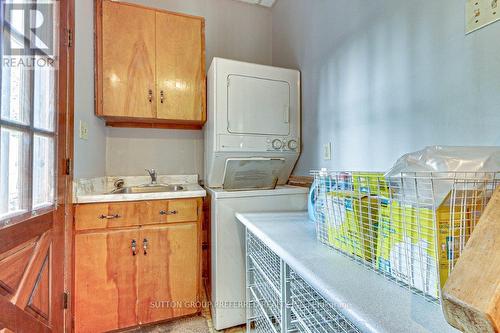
[[311, 312], [280, 301]]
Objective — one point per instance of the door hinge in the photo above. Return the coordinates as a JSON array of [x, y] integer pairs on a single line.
[[70, 38], [68, 166], [65, 300]]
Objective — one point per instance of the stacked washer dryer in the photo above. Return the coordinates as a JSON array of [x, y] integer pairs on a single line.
[[252, 142]]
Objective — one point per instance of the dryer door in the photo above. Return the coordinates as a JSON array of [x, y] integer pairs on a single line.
[[258, 106]]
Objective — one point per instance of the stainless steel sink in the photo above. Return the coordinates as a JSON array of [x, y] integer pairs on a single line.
[[147, 189]]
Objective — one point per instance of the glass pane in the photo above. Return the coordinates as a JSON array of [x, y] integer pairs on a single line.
[[15, 94], [15, 79], [43, 171], [14, 149], [44, 99], [16, 20]]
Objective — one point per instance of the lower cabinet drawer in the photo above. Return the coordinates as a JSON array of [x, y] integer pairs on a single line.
[[169, 211], [126, 214], [108, 215]]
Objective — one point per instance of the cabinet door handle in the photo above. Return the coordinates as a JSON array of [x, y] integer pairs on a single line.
[[134, 247], [162, 97], [145, 246], [150, 95], [168, 212], [109, 217]]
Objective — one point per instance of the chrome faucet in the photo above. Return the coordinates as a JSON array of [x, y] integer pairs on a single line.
[[152, 174], [118, 184]]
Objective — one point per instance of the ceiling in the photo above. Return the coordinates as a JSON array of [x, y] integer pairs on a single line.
[[265, 3]]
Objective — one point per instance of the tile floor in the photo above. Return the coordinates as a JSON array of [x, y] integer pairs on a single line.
[[195, 324], [208, 316]]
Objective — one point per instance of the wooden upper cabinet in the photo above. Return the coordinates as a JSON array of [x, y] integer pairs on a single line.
[[179, 67], [128, 61], [150, 67]]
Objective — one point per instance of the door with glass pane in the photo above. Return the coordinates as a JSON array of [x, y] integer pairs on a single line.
[[35, 139]]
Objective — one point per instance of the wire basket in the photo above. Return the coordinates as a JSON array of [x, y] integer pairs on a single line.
[[411, 228]]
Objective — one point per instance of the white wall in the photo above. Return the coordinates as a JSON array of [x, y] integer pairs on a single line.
[[130, 151], [232, 30], [381, 78], [90, 155]]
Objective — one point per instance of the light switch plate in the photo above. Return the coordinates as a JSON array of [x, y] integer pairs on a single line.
[[327, 151], [480, 13], [84, 130]]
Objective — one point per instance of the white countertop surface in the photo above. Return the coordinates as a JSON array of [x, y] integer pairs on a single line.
[[95, 190], [369, 300]]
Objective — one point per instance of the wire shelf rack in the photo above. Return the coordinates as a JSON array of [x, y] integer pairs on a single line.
[[283, 301], [411, 228], [262, 321], [265, 261], [263, 287], [314, 314], [270, 300]]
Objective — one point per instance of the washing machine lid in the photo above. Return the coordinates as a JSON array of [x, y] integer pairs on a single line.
[[251, 173]]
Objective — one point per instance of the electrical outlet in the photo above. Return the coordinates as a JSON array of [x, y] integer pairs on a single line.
[[84, 130], [480, 13], [327, 151]]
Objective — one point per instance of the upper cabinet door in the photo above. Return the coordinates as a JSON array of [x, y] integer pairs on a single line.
[[128, 61], [180, 67]]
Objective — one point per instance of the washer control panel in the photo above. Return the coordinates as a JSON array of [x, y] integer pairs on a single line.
[[282, 144]]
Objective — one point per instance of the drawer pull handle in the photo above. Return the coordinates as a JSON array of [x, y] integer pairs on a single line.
[[168, 212], [145, 246], [134, 247], [109, 217]]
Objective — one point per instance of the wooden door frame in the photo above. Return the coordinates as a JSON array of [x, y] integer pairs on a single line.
[[66, 144], [58, 219]]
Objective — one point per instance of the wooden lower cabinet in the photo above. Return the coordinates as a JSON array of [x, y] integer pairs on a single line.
[[138, 274], [168, 273], [105, 281]]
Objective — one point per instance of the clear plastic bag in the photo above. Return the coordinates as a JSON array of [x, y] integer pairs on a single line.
[[448, 159], [445, 164]]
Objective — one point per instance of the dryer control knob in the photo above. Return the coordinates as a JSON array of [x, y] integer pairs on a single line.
[[292, 145], [277, 144]]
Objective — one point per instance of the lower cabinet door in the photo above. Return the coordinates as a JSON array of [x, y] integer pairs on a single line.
[[105, 280], [168, 272]]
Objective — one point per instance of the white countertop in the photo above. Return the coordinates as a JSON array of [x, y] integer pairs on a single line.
[[371, 302], [95, 190]]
